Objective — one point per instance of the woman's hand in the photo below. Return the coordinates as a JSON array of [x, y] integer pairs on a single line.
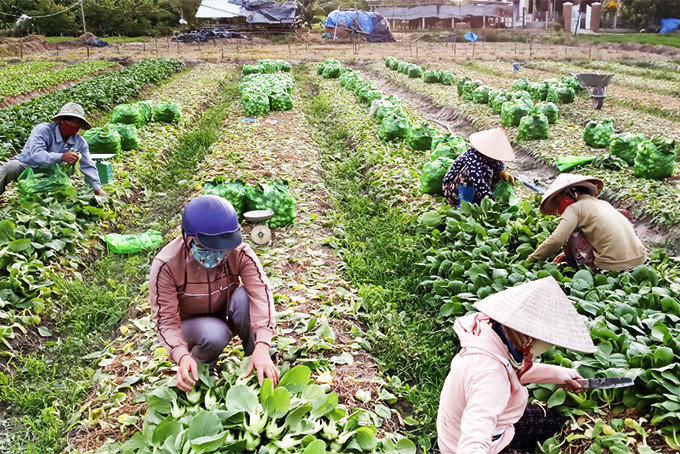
[[187, 373], [569, 379], [262, 362], [507, 176]]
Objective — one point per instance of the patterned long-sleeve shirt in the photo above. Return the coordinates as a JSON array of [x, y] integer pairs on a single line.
[[472, 169], [45, 146]]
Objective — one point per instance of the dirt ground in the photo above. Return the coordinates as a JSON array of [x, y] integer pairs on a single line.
[[312, 47]]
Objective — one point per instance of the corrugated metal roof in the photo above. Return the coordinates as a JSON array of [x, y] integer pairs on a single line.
[[218, 9]]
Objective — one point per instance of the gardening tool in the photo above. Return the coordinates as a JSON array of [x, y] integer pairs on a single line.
[[531, 186], [596, 85], [260, 233], [604, 383]]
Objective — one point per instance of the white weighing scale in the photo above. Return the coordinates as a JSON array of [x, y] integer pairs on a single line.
[[260, 233]]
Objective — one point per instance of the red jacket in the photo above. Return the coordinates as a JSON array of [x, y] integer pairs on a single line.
[[180, 288]]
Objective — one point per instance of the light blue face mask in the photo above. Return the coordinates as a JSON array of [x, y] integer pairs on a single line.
[[205, 257]]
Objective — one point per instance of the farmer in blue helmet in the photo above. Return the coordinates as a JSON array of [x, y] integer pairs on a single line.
[[205, 287]]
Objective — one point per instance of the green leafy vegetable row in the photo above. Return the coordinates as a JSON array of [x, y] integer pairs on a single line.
[[25, 82], [99, 93]]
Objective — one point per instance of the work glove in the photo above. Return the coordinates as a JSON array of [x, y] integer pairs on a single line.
[[507, 176]]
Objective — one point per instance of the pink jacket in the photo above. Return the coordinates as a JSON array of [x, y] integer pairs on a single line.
[[482, 395], [179, 288]]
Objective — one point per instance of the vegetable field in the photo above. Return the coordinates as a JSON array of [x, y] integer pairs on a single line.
[[368, 265]]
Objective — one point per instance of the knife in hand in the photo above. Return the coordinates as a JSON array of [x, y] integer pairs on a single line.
[[604, 383]]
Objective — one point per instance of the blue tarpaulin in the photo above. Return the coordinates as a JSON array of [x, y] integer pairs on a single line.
[[669, 25], [372, 26], [471, 36]]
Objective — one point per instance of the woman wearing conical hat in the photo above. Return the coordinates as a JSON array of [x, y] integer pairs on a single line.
[[483, 407], [473, 174], [591, 231]]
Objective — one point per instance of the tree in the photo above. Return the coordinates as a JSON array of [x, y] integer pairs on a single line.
[[642, 13]]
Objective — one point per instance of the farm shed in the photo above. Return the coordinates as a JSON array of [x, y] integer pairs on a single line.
[[267, 14]]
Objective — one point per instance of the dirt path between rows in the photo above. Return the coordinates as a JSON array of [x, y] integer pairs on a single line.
[[525, 168]]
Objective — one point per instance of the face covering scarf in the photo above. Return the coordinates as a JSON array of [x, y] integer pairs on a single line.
[[564, 202], [67, 130], [522, 359], [206, 257]]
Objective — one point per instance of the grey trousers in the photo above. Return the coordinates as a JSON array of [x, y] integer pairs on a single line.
[[208, 335], [9, 172]]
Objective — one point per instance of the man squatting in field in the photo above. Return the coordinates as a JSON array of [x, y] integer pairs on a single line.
[[207, 285], [55, 142]]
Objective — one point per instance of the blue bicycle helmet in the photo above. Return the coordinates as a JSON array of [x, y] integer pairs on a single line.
[[213, 221]]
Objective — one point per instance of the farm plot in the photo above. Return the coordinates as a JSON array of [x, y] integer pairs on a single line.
[[566, 139], [317, 337], [477, 251], [90, 294], [651, 96], [34, 76]]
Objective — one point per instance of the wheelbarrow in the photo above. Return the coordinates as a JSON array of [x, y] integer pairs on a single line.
[[596, 85]]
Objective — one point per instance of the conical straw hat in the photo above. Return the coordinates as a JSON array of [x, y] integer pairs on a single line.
[[493, 143], [541, 310], [566, 181]]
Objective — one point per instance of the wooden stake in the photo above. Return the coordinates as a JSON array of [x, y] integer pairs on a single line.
[[88, 50], [222, 51], [156, 43], [21, 50], [57, 49], [590, 50]]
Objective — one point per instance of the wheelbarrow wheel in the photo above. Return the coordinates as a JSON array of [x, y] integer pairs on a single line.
[[597, 103]]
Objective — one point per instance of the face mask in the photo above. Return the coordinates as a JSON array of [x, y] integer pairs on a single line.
[[206, 257], [68, 130], [564, 203], [538, 347]]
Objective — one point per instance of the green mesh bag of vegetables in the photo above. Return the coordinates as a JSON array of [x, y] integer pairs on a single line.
[[538, 90], [565, 163], [167, 112], [255, 103], [145, 110], [431, 76], [131, 244], [390, 62], [625, 146], [498, 101], [512, 113], [533, 126], [251, 69], [572, 82], [655, 158], [468, 87], [46, 180], [415, 71], [103, 140], [331, 72], [598, 134], [480, 95], [273, 196], [402, 67], [458, 143], [394, 127], [432, 176], [420, 138], [548, 109], [127, 114], [280, 101], [385, 110], [561, 94], [520, 84], [493, 93], [461, 84], [447, 77], [283, 66], [521, 95], [236, 192], [129, 139]]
